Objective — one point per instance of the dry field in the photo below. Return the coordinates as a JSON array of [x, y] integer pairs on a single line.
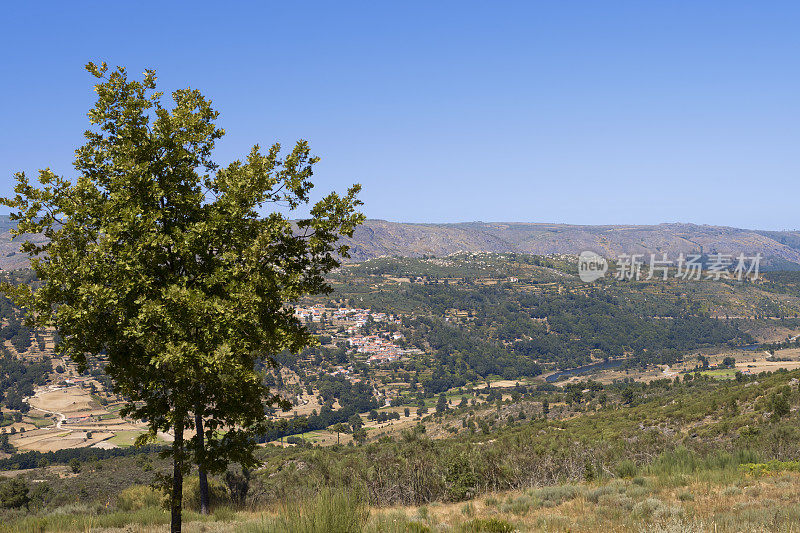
[[76, 420], [747, 361], [759, 363]]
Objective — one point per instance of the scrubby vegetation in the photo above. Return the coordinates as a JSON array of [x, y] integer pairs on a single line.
[[715, 497], [471, 452], [675, 457]]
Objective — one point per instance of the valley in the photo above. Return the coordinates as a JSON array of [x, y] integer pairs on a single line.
[[397, 333], [468, 392]]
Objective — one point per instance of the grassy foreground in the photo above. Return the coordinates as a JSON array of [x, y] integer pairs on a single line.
[[694, 455], [672, 495]]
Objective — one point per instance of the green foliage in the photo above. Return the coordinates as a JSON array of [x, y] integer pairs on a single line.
[[441, 404], [14, 493], [218, 495], [360, 435], [759, 469], [161, 259], [355, 421], [18, 377], [238, 483], [498, 336], [138, 497], [5, 445], [461, 477], [627, 469], [33, 459], [331, 511], [779, 405]]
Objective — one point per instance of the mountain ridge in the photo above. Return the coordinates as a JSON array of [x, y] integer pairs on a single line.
[[376, 238], [379, 238]]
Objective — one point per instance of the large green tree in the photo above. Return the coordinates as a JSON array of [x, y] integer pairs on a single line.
[[180, 271]]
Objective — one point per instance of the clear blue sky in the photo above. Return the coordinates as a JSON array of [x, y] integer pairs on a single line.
[[578, 112]]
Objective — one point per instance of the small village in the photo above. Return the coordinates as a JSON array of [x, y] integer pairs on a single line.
[[354, 327]]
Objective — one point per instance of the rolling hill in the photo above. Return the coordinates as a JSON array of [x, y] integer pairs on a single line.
[[377, 238]]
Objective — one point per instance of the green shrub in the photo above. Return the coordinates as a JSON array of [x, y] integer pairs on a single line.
[[684, 461], [138, 497], [758, 469], [594, 495], [461, 478], [487, 525], [518, 506], [217, 494], [627, 469], [731, 491], [556, 495], [646, 508], [14, 494], [637, 491], [331, 511]]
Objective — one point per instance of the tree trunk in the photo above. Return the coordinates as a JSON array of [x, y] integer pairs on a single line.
[[201, 460], [176, 502]]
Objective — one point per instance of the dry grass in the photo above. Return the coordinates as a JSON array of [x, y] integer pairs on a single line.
[[675, 503], [708, 501]]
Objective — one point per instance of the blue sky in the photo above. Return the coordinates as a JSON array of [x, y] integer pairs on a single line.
[[576, 112]]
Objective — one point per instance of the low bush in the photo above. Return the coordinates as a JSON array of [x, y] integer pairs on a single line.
[[627, 469], [217, 494], [139, 497], [331, 511], [487, 525], [555, 495]]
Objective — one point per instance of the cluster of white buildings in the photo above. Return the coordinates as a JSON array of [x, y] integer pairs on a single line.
[[314, 313], [379, 349], [354, 316], [358, 316]]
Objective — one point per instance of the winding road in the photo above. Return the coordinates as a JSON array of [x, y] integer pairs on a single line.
[[61, 416]]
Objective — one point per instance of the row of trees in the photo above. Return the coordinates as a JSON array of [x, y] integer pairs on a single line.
[[353, 398], [18, 377]]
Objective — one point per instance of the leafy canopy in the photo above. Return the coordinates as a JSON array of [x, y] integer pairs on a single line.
[[161, 259]]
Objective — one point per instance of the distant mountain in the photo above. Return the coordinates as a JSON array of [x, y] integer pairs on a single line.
[[10, 256], [380, 238], [376, 238]]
